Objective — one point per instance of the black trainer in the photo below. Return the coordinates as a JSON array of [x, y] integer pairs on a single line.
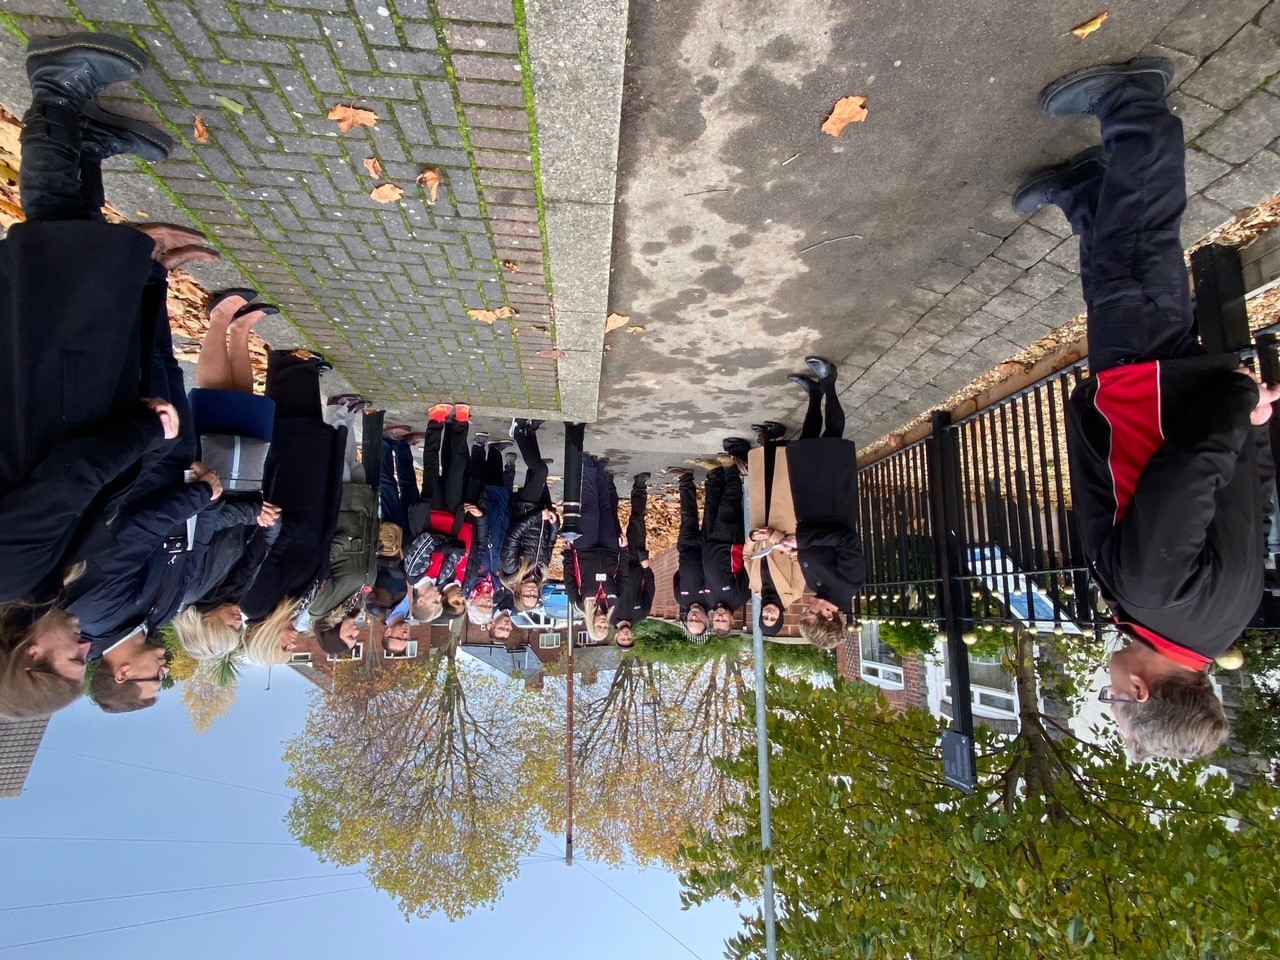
[[74, 69], [106, 134], [736, 447], [1080, 91], [809, 384], [1039, 188], [640, 479]]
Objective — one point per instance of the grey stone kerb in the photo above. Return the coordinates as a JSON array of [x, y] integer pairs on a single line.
[[576, 53]]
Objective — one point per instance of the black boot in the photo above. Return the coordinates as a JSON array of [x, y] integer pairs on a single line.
[[1080, 91], [736, 447], [65, 73], [72, 70], [809, 384], [108, 134], [1040, 187]]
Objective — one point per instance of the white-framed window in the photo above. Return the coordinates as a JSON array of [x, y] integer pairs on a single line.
[[410, 651], [990, 685], [549, 641], [584, 638], [879, 663], [303, 657], [355, 653]]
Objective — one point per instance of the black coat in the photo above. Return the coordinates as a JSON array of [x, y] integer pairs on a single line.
[[583, 570], [139, 580], [1185, 559], [635, 598], [689, 583], [725, 575], [70, 368], [824, 491], [303, 477], [529, 538]]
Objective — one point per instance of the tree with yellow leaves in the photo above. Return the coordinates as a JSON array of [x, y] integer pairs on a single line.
[[430, 773]]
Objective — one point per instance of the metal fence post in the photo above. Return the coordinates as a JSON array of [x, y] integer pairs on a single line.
[[574, 437], [1222, 321], [371, 446], [958, 760]]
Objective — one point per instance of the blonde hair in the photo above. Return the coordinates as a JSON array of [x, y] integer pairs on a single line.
[[589, 618], [526, 571], [203, 637], [262, 644], [821, 632], [27, 691], [1182, 718]]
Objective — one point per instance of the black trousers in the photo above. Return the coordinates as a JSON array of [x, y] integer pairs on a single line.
[[484, 469], [599, 508], [637, 535], [812, 426], [1127, 218], [534, 490], [722, 517], [444, 464]]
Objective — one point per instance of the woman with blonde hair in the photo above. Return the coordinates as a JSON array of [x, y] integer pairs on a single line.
[[592, 563], [211, 635], [526, 549], [43, 671], [270, 642]]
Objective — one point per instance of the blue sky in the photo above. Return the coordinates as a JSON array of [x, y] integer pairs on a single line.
[[550, 911]]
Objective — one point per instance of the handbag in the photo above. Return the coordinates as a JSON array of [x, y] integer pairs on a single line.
[[240, 462]]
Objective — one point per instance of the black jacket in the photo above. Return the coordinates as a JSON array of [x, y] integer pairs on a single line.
[[635, 596], [689, 582], [1185, 556], [529, 538], [824, 491], [725, 575], [71, 356], [583, 570], [222, 534], [140, 580]]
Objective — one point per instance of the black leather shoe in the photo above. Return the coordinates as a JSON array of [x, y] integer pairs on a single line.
[[736, 447], [809, 384], [1080, 91], [1040, 187], [773, 430], [74, 69], [822, 368], [640, 479], [106, 134]]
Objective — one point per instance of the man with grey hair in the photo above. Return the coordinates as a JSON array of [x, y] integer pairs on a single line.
[[1164, 471]]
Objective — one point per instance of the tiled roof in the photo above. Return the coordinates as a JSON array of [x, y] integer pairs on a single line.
[[19, 741]]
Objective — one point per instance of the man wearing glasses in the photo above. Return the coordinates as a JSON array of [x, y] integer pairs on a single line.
[[1164, 471], [129, 674]]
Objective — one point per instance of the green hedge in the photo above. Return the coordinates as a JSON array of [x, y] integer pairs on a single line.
[[660, 642]]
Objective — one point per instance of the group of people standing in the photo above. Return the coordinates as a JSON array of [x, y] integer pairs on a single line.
[[249, 521]]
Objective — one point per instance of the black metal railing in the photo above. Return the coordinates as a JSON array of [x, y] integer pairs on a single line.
[[970, 530]]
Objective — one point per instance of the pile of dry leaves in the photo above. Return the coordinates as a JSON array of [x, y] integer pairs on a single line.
[[187, 297]]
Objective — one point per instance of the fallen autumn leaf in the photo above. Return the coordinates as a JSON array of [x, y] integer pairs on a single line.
[[847, 110], [552, 354], [373, 166], [235, 106], [635, 328], [430, 178], [483, 316], [387, 193], [1089, 26], [505, 311], [615, 321], [510, 266], [350, 117], [201, 131]]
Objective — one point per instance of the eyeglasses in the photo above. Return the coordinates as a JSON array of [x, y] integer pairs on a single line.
[[1106, 696], [164, 672]]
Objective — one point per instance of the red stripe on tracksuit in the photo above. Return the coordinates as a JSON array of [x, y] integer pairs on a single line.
[[1128, 397], [735, 558]]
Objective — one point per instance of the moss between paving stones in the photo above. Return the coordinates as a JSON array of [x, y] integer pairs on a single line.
[[9, 23]]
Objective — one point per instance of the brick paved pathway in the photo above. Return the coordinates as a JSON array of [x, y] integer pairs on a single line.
[[382, 289]]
